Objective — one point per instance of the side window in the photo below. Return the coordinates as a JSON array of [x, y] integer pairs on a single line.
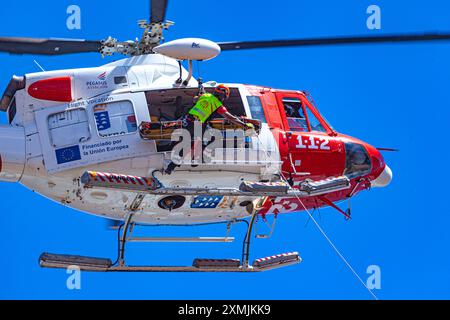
[[295, 114], [68, 127], [314, 122], [115, 118], [256, 108]]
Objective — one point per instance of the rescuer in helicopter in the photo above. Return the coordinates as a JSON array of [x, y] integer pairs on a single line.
[[206, 105], [292, 111], [295, 116]]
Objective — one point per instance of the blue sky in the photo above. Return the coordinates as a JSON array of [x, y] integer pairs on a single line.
[[388, 95]]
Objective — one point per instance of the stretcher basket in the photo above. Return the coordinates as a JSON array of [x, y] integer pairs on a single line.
[[163, 130]]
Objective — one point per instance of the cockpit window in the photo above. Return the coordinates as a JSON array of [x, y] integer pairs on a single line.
[[357, 160], [295, 114], [314, 122]]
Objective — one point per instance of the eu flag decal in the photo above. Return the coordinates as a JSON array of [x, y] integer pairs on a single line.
[[68, 154], [102, 120], [206, 202]]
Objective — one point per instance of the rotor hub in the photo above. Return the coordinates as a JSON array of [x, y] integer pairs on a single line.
[[151, 37]]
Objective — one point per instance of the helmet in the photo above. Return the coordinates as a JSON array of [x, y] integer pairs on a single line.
[[222, 91]]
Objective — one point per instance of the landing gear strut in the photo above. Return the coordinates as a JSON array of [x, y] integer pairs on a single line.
[[246, 246], [125, 235]]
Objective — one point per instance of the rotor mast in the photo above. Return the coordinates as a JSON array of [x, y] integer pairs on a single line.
[[152, 35]]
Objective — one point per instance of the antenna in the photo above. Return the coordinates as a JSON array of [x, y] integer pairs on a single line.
[[40, 67]]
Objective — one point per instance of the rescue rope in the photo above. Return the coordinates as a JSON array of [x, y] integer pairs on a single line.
[[332, 245], [336, 250]]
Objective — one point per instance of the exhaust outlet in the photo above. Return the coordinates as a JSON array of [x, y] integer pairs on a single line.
[[12, 153]]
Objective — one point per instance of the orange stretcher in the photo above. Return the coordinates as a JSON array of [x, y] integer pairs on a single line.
[[163, 130]]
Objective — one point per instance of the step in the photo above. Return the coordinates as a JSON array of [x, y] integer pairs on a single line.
[[51, 260], [277, 261]]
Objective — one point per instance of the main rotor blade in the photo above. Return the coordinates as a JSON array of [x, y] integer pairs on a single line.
[[50, 46], [158, 10], [390, 38]]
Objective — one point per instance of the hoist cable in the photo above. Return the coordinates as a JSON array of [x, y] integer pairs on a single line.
[[336, 250]]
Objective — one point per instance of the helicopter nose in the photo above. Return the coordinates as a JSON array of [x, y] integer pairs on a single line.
[[381, 175], [12, 153], [384, 179]]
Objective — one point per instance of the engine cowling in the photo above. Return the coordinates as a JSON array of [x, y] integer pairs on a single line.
[[12, 153]]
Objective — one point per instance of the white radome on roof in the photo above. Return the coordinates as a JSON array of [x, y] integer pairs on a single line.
[[189, 49]]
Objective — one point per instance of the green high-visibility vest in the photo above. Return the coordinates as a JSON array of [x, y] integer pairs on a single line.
[[206, 105]]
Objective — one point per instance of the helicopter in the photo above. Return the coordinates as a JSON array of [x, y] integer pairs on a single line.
[[96, 140]]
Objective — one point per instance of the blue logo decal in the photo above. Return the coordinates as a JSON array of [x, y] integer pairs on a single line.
[[206, 202], [68, 154], [102, 120]]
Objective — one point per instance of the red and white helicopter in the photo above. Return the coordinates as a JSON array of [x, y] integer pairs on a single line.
[[75, 136]]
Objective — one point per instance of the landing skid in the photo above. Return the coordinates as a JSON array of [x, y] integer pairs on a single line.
[[48, 260], [63, 261]]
